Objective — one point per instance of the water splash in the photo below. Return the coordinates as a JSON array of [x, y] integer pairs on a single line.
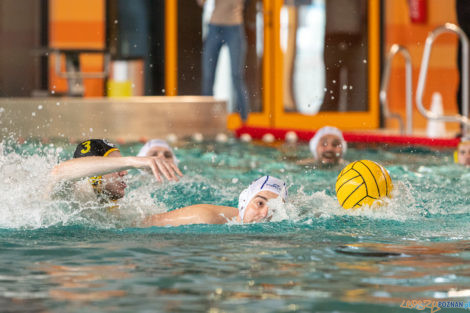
[[431, 192]]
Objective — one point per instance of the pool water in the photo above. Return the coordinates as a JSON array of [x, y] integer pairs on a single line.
[[64, 256]]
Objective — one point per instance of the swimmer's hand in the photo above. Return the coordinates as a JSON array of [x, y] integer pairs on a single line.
[[160, 165]]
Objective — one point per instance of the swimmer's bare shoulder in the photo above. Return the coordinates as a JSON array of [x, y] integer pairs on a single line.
[[194, 214]]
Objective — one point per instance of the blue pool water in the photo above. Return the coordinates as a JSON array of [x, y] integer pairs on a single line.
[[62, 256]]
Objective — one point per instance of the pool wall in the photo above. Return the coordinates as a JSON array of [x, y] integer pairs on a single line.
[[305, 135], [127, 119]]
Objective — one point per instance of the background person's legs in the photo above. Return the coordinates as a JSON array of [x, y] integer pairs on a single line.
[[236, 42], [210, 56]]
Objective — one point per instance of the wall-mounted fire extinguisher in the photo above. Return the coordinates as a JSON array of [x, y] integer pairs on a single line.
[[418, 11]]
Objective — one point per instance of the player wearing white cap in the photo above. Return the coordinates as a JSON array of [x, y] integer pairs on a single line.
[[252, 207], [158, 148], [327, 146]]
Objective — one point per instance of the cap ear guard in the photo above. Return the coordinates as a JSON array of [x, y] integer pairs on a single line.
[[456, 156], [96, 182]]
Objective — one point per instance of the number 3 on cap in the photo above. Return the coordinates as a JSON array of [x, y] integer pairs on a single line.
[[87, 146]]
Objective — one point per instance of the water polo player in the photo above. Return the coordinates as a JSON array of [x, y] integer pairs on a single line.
[[327, 146], [252, 207], [462, 154], [158, 148], [102, 163]]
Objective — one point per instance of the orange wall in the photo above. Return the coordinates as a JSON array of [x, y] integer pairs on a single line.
[[78, 24], [442, 72]]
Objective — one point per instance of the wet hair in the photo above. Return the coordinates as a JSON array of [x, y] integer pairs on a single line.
[[94, 147]]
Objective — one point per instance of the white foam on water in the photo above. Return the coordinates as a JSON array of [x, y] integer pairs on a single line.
[[278, 210], [400, 206], [23, 198], [24, 203]]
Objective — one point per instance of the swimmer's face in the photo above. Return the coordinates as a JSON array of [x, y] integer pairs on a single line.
[[161, 152], [113, 184], [257, 208], [330, 149], [463, 153]]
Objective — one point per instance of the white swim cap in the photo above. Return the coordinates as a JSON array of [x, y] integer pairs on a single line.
[[268, 183], [156, 143], [327, 130]]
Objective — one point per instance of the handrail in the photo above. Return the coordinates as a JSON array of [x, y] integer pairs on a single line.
[[408, 89], [80, 75], [462, 119]]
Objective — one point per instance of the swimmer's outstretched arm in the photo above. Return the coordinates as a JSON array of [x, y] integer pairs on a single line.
[[92, 166], [194, 214]]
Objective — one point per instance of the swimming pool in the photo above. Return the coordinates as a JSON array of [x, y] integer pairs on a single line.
[[60, 256]]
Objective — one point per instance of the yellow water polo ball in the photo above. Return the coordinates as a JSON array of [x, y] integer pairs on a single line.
[[362, 182]]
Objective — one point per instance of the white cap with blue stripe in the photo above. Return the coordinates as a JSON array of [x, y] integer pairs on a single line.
[[268, 183]]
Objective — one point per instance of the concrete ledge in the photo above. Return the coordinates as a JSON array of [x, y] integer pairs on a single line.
[[114, 118]]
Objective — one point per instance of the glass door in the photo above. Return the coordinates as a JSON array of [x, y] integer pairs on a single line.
[[308, 63], [327, 59]]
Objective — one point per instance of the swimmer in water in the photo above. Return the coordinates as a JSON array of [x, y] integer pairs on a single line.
[[102, 163], [327, 146], [462, 154], [252, 207], [158, 148]]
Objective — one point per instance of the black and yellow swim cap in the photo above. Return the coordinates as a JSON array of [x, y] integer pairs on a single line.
[[94, 147]]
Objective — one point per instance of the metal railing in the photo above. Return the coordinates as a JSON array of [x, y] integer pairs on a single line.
[[408, 89], [460, 118]]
